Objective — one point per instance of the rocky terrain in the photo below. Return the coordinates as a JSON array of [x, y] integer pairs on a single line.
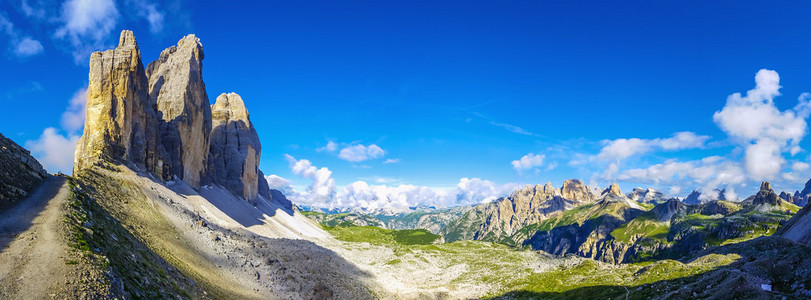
[[500, 220], [20, 173]]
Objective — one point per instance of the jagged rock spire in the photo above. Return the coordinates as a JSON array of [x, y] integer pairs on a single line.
[[235, 148], [120, 122], [176, 87]]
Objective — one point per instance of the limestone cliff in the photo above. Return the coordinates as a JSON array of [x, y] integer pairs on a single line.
[[159, 119], [19, 172], [235, 149], [120, 123], [502, 220], [176, 86]]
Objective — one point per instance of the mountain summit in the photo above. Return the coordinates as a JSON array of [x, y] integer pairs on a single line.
[[159, 118]]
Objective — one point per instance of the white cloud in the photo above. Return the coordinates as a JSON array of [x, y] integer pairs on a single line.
[[330, 147], [36, 11], [619, 149], [359, 152], [86, 24], [799, 166], [21, 45], [28, 47], [755, 123], [321, 193], [277, 182], [708, 174], [391, 161], [54, 151], [73, 118], [322, 188], [551, 166], [528, 161], [477, 190], [763, 159], [149, 12]]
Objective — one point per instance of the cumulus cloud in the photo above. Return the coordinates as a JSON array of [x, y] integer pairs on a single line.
[[53, 150], [528, 161], [322, 188], [356, 152], [22, 45], [477, 190], [359, 152], [708, 174], [799, 166], [28, 47], [755, 123], [322, 193], [619, 149], [73, 118], [86, 24]]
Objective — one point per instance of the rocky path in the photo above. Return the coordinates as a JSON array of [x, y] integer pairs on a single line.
[[32, 245]]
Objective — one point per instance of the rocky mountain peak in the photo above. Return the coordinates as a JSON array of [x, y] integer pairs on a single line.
[[121, 125], [613, 190], [235, 148], [766, 195], [766, 186], [127, 39], [159, 117], [648, 195], [176, 86], [575, 189]]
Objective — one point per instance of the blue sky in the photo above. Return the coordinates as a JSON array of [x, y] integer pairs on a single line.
[[453, 90]]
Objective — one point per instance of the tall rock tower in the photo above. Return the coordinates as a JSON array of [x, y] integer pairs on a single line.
[[235, 148], [176, 86], [120, 123]]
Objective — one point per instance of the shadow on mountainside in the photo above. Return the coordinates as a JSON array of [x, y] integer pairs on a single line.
[[783, 265], [19, 218], [226, 263]]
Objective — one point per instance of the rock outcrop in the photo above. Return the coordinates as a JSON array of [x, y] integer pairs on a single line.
[[613, 190], [693, 198], [502, 220], [235, 148], [176, 86], [766, 196], [798, 228], [801, 198], [575, 189], [648, 195], [120, 125], [19, 172], [159, 119]]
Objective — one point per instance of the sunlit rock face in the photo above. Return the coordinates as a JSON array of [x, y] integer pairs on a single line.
[[235, 148], [176, 87], [575, 189], [120, 123]]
